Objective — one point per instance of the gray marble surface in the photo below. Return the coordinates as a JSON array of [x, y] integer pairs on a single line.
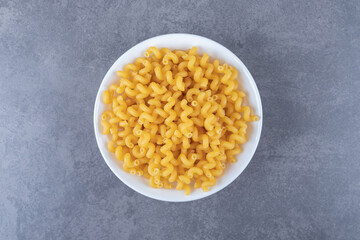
[[303, 182]]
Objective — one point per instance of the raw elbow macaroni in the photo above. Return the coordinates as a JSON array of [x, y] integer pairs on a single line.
[[176, 118]]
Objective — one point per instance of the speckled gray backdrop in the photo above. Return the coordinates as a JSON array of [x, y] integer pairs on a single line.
[[303, 182]]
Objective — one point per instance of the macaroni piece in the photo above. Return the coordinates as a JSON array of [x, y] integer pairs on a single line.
[[176, 118]]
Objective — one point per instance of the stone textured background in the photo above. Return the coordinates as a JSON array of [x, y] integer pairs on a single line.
[[303, 182]]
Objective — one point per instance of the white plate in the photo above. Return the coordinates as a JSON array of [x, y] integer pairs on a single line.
[[247, 83]]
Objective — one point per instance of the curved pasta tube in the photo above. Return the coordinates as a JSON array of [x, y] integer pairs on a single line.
[[191, 92], [151, 150], [246, 115], [169, 169], [142, 79], [180, 53], [105, 126], [181, 74], [196, 109], [123, 74], [201, 98], [107, 114], [111, 146], [184, 179], [106, 97], [161, 112], [170, 56], [176, 95], [187, 162], [186, 141], [179, 185], [215, 83], [227, 76], [209, 165], [218, 171], [158, 73], [131, 92], [154, 169], [164, 51], [209, 183], [204, 60], [144, 139], [128, 161], [194, 170], [211, 157], [208, 124], [147, 116], [187, 123], [195, 135], [147, 65], [157, 90], [179, 83], [169, 133], [227, 145], [192, 51], [232, 129], [119, 153], [235, 151], [238, 138], [163, 131], [198, 74], [168, 109], [173, 176], [165, 96], [169, 78], [227, 120], [143, 90], [153, 50], [167, 185], [130, 67], [203, 83], [235, 116], [191, 63], [205, 141], [132, 111], [144, 108], [138, 152], [187, 189], [153, 129], [129, 141], [183, 65], [230, 87], [166, 150], [216, 64], [154, 102], [205, 109], [124, 133], [234, 73]]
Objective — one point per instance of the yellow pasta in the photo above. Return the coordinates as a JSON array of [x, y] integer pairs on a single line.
[[176, 118]]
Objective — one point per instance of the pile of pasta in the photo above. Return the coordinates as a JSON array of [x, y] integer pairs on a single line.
[[176, 118]]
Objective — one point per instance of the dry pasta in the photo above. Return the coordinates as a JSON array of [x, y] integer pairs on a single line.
[[176, 118]]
